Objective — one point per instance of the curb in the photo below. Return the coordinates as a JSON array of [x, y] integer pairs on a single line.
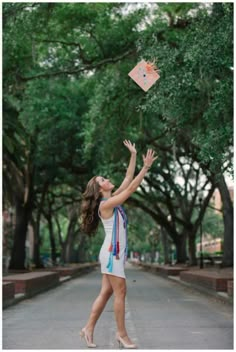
[[19, 297], [11, 302], [221, 296]]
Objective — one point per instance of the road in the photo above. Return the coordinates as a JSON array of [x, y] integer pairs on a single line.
[[160, 314]]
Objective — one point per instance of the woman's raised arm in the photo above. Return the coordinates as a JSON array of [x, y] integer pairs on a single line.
[[131, 168], [124, 195]]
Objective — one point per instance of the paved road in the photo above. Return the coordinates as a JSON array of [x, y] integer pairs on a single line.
[[160, 314]]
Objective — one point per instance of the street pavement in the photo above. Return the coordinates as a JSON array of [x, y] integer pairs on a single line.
[[160, 314]]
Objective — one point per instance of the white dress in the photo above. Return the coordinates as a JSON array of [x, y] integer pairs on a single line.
[[118, 264]]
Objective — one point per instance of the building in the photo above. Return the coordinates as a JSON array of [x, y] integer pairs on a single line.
[[211, 245]]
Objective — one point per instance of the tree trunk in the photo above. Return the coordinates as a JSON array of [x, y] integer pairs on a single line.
[[192, 250], [37, 260], [165, 244], [18, 251], [59, 231], [67, 249], [228, 223], [67, 252], [81, 249], [181, 256], [52, 241], [36, 252]]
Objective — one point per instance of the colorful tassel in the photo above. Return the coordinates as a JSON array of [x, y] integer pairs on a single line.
[[118, 247], [114, 247], [114, 250], [110, 264]]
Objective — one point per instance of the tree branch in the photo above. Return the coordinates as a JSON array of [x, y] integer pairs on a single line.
[[62, 42], [82, 69]]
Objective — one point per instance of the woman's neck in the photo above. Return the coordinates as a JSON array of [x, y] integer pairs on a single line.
[[106, 195]]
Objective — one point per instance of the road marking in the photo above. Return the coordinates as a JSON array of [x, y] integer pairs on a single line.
[[187, 299]]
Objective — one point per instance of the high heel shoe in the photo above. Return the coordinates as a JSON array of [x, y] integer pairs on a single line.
[[83, 334], [124, 344]]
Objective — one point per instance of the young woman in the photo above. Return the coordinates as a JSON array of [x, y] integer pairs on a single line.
[[99, 202]]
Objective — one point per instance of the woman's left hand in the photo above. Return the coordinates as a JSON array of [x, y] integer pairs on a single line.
[[130, 146]]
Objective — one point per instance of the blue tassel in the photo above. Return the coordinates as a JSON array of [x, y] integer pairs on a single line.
[[114, 233], [114, 249], [110, 263]]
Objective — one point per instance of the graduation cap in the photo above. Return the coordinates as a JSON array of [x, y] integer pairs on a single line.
[[144, 74]]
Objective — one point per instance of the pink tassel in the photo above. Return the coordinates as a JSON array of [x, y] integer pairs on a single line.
[[118, 247], [117, 250]]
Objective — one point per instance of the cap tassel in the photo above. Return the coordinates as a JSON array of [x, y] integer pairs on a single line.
[[151, 67]]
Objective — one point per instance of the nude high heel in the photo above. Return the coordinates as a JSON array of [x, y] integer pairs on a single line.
[[83, 335], [122, 343]]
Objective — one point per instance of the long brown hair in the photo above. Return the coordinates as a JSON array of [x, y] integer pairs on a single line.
[[89, 207]]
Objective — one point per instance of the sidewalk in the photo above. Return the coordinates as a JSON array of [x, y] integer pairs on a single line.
[[202, 280], [23, 284], [160, 314]]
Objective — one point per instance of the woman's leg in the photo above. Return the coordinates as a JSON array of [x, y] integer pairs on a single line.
[[119, 288], [99, 304]]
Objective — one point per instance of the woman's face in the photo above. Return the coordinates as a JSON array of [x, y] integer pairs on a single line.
[[104, 183]]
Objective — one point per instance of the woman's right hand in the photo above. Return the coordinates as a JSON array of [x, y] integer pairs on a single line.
[[149, 158]]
